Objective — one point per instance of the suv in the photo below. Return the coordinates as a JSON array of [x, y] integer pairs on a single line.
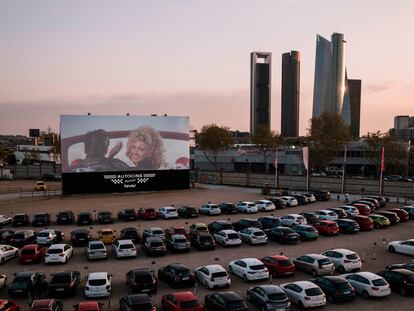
[[154, 246], [187, 212], [127, 214], [85, 218], [65, 218], [105, 218], [41, 220], [20, 220], [202, 241]]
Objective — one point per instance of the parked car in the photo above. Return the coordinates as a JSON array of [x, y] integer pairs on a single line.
[[127, 214], [23, 281], [403, 215], [41, 220], [65, 218], [268, 297], [380, 221], [147, 213], [249, 269], [22, 238], [167, 212], [279, 265], [302, 199], [153, 232], [306, 232], [402, 247], [80, 237], [49, 237], [7, 252], [105, 217], [371, 200], [392, 217], [96, 250], [64, 283], [311, 217], [252, 235], [246, 223], [327, 215], [344, 260], [227, 238], [363, 209], [314, 264], [339, 211], [336, 288], [278, 202], [141, 280], [228, 208], [172, 230], [311, 198], [107, 236], [9, 305], [322, 195], [177, 275], [3, 281], [84, 218], [88, 306], [282, 234], [225, 301], [371, 205], [290, 201], [347, 226], [364, 222], [203, 241], [350, 210], [305, 294], [409, 210], [98, 284], [46, 305], [407, 265], [40, 186], [178, 243], [400, 280], [219, 225], [58, 253], [124, 248], [212, 276], [187, 212], [136, 302], [368, 284], [198, 227], [20, 220], [154, 246], [209, 209], [269, 222], [293, 219], [246, 207], [4, 220], [5, 235], [181, 301], [327, 227], [130, 233], [265, 205]]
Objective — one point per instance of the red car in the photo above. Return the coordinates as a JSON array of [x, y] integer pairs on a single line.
[[279, 265], [46, 305], [88, 306], [176, 230], [9, 305], [181, 301], [403, 215], [364, 222], [363, 209], [147, 213], [327, 227], [32, 253]]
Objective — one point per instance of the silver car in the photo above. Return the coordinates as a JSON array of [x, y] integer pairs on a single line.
[[96, 250], [315, 264]]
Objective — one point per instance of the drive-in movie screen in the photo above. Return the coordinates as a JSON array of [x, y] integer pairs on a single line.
[[124, 153]]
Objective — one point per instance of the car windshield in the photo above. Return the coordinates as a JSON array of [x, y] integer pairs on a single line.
[[28, 252], [180, 240], [19, 217], [277, 296], [287, 230], [352, 256], [143, 277], [332, 225], [39, 216], [315, 291], [221, 274], [257, 267], [96, 246], [189, 304], [22, 279], [285, 263], [157, 244], [258, 233], [126, 246], [18, 236], [324, 261], [233, 236], [343, 286], [131, 233], [157, 232], [43, 234], [205, 238], [61, 278], [97, 282], [55, 251], [379, 282]]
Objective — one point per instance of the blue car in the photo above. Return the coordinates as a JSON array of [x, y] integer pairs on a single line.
[[409, 210], [269, 222], [306, 232]]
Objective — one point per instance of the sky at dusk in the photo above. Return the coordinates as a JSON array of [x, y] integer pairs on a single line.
[[192, 58]]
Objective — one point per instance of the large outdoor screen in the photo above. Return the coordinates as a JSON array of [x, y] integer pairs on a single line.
[[125, 153]]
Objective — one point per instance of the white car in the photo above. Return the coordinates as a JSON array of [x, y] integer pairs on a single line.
[[153, 231], [124, 248], [253, 235], [350, 210], [98, 284], [246, 207], [8, 252], [227, 238], [168, 212], [344, 260], [249, 269], [368, 284], [305, 294], [326, 215], [212, 276], [58, 253], [290, 201], [4, 220], [46, 237], [293, 219], [265, 205], [403, 247], [209, 209]]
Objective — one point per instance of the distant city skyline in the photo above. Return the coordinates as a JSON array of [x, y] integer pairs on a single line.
[[191, 58]]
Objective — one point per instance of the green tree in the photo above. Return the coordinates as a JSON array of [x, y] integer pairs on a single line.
[[267, 141], [328, 134], [212, 139]]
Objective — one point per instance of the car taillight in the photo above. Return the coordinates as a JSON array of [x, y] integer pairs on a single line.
[[375, 288]]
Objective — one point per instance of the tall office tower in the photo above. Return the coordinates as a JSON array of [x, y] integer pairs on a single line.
[[260, 90], [354, 90], [330, 77], [290, 94]]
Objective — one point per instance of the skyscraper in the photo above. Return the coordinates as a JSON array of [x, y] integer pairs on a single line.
[[354, 89], [330, 77], [260, 90], [290, 93]]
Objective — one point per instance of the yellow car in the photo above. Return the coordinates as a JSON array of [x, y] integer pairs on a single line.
[[40, 186], [107, 236], [198, 227]]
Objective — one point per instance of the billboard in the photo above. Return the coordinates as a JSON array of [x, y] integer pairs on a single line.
[[124, 153]]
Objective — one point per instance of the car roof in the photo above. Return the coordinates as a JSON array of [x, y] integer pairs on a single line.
[[325, 210], [57, 246], [279, 257], [139, 298], [30, 246], [368, 275], [183, 296], [334, 278], [271, 288], [178, 266], [230, 296], [213, 268], [25, 273], [154, 238], [251, 261], [154, 228], [125, 241], [178, 236], [227, 231], [47, 231], [343, 251], [254, 229], [316, 256], [97, 275], [294, 215], [95, 242], [141, 271], [404, 271], [41, 303], [303, 284]]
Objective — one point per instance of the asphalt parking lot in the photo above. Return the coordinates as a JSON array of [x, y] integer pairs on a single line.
[[362, 243]]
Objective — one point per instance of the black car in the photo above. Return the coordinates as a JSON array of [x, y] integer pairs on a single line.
[[263, 296], [339, 211], [278, 202], [127, 214], [136, 302], [84, 218], [373, 201], [5, 236], [322, 195], [105, 217], [41, 220], [283, 235], [347, 225], [65, 218], [178, 243], [22, 238], [51, 177], [400, 280], [407, 265], [23, 282], [187, 212], [80, 237], [269, 222], [302, 199], [154, 245], [336, 288], [225, 301], [141, 281], [381, 200], [130, 233], [228, 208], [177, 275], [219, 225], [311, 217], [392, 217], [20, 220], [203, 241], [64, 283], [246, 223]]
